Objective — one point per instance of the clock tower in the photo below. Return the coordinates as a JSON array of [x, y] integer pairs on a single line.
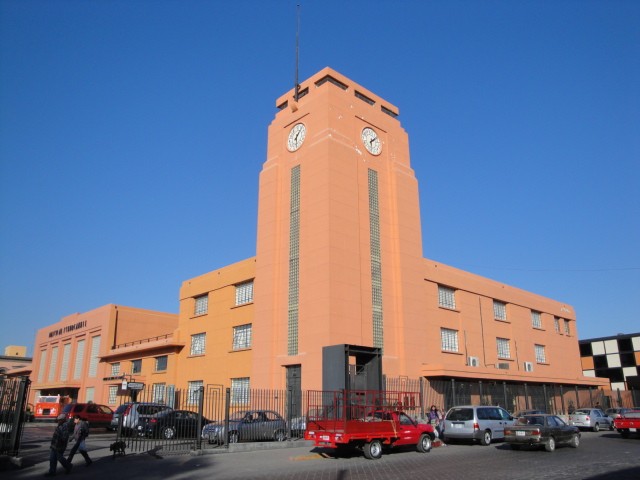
[[339, 246]]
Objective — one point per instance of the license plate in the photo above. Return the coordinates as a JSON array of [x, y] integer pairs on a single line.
[[324, 437], [457, 425], [632, 429], [519, 433]]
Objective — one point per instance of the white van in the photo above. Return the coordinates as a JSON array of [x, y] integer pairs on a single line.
[[476, 422]]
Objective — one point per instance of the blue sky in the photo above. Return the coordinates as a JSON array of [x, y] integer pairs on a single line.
[[132, 134]]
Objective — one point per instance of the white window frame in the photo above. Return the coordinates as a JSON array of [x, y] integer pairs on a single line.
[[193, 386], [115, 369], [95, 351], [77, 369], [448, 340], [240, 391], [113, 395], [500, 310], [53, 364], [134, 370], [446, 297], [536, 319], [66, 354], [541, 355], [567, 329], [504, 347], [198, 344], [201, 305], [166, 366], [159, 393], [556, 323], [244, 293], [242, 336]]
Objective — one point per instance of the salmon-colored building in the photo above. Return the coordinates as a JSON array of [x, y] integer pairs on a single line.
[[85, 355], [339, 261]]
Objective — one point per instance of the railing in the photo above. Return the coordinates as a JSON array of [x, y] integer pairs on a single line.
[[145, 340]]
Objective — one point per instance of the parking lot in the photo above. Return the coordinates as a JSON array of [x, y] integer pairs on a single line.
[[601, 455]]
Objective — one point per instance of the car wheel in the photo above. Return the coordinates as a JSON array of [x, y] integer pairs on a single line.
[[515, 446], [486, 438], [168, 433], [550, 446], [233, 437], [373, 450], [596, 427], [280, 436], [575, 441], [424, 444]]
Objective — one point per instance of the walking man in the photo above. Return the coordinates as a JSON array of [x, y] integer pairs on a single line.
[[59, 442], [80, 433]]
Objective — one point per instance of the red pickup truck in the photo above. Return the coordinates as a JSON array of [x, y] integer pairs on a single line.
[[627, 423], [365, 420]]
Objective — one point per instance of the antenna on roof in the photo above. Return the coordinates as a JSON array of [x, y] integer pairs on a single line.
[[297, 85]]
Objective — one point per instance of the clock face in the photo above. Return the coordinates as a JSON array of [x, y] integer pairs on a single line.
[[296, 137], [371, 141]]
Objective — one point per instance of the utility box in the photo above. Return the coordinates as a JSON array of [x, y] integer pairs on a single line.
[[351, 367]]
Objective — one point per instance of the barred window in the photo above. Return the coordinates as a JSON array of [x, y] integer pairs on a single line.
[[53, 364], [66, 353], [446, 297], [566, 327], [113, 395], [161, 363], [77, 369], [136, 366], [240, 391], [504, 350], [536, 320], [193, 393], [242, 337], [201, 304], [94, 359], [499, 310], [158, 393], [244, 293], [115, 369], [198, 343], [541, 356], [449, 340], [556, 323]]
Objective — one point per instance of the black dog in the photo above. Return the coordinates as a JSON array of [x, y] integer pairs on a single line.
[[118, 448]]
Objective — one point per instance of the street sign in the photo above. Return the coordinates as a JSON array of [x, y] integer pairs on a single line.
[[135, 385]]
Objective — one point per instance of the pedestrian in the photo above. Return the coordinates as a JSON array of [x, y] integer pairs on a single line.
[[59, 442], [80, 434], [435, 418]]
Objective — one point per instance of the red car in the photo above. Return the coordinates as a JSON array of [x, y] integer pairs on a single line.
[[96, 415]]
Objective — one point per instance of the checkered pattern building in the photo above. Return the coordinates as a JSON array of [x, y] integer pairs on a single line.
[[616, 358]]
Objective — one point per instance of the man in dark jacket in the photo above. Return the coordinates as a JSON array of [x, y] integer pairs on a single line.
[[58, 446], [80, 433]]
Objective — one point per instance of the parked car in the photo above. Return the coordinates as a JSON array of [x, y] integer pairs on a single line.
[[131, 413], [614, 413], [96, 415], [522, 413], [541, 430], [170, 424], [477, 423], [592, 418], [248, 425]]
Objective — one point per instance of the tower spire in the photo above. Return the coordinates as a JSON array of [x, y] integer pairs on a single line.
[[297, 85]]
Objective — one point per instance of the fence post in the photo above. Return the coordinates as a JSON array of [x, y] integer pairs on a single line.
[[562, 399], [546, 399], [227, 406], [590, 397], [504, 392], [453, 391], [421, 397], [198, 444], [481, 392], [526, 397]]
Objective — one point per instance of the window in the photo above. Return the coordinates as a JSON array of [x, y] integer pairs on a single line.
[[244, 293], [446, 297], [556, 324], [77, 369], [113, 395], [503, 348], [93, 361], [161, 363], [53, 364], [136, 366], [201, 304], [536, 321], [115, 369], [499, 310], [193, 393], [541, 356], [240, 391], [89, 394], [449, 340], [566, 327], [158, 393], [66, 353], [242, 337], [43, 364], [198, 342]]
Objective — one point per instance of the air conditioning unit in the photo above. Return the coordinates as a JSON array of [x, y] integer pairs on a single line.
[[528, 366], [502, 366], [473, 361]]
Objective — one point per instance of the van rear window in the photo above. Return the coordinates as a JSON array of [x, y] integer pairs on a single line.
[[460, 414]]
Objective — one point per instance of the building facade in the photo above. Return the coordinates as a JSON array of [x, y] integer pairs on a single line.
[[339, 261], [616, 358], [85, 355]]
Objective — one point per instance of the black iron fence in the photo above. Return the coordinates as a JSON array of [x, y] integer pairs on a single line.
[[13, 401]]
